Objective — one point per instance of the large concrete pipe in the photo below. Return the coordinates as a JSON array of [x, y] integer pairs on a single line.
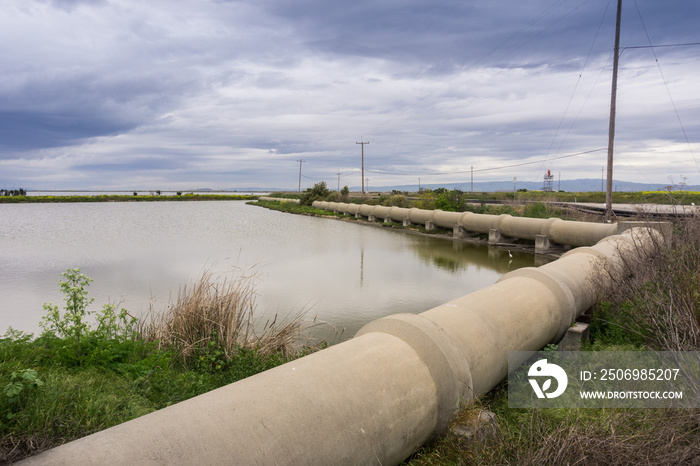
[[520, 227], [398, 214], [579, 233], [421, 216], [373, 399], [353, 209], [446, 219], [381, 212], [479, 223], [343, 207], [366, 210]]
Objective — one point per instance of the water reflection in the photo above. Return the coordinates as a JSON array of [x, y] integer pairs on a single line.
[[456, 256]]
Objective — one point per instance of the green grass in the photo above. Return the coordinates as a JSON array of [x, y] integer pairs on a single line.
[[77, 378], [637, 197], [75, 401], [293, 208]]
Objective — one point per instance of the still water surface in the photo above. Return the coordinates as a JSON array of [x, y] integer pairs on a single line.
[[342, 274]]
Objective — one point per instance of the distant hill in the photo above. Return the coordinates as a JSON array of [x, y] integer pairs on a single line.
[[580, 185]]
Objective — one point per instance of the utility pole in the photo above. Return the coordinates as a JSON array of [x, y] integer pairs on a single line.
[[363, 164], [419, 185], [613, 101], [471, 190], [338, 181], [300, 162]]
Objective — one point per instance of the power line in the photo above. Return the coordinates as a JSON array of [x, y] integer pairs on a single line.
[[663, 78], [488, 169]]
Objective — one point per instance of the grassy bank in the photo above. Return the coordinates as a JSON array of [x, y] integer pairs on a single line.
[[123, 198], [657, 307], [88, 371], [535, 210], [670, 196], [636, 197]]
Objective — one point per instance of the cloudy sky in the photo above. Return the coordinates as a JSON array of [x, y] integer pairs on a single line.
[[175, 94]]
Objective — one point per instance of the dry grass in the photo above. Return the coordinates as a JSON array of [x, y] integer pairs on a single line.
[[660, 292], [630, 437], [575, 437], [219, 314]]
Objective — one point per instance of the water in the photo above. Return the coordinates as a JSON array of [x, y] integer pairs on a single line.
[[341, 274]]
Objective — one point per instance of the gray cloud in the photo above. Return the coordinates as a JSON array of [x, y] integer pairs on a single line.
[[232, 92]]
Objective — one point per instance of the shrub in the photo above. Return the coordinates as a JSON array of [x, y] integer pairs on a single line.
[[318, 193], [396, 200], [71, 335], [658, 297], [449, 200]]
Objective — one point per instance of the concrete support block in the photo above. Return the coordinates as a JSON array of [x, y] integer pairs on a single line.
[[358, 215], [387, 220], [575, 335], [458, 231], [429, 225], [406, 222], [543, 245], [495, 237], [371, 218]]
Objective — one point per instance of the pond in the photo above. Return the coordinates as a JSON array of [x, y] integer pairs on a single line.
[[339, 273]]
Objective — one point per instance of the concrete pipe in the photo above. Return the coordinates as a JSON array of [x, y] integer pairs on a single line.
[[373, 399], [381, 212], [446, 219], [520, 227], [353, 209], [420, 216], [479, 223], [398, 214], [366, 210], [579, 233], [343, 207]]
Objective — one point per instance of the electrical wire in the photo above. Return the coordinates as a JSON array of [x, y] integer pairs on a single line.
[[663, 78], [573, 93], [486, 169]]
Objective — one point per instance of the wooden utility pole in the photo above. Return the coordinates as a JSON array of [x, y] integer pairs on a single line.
[[613, 102], [363, 164], [300, 162]]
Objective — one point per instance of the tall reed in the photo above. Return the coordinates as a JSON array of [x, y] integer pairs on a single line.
[[217, 316]]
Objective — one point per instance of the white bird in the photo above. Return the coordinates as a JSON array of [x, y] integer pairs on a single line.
[[509, 254]]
